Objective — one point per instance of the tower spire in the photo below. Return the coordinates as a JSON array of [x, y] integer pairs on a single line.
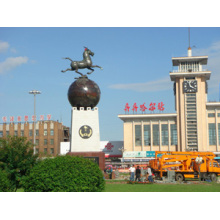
[[189, 48]]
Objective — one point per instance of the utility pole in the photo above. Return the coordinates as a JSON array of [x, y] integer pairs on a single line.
[[34, 92]]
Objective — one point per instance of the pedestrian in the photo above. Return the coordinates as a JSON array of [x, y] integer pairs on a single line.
[[142, 174], [149, 174], [138, 174], [132, 171]]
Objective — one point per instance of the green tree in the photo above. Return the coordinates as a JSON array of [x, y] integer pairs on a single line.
[[16, 158], [65, 174], [5, 185]]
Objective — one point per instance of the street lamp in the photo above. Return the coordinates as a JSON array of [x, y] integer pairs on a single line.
[[34, 92]]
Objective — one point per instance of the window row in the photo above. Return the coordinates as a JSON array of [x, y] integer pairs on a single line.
[[46, 150], [212, 115], [30, 133], [155, 138], [45, 133], [212, 133], [45, 141]]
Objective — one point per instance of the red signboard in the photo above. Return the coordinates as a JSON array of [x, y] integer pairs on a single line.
[[127, 107], [134, 109], [19, 119], [152, 106], [143, 108], [26, 118], [109, 146], [160, 106], [11, 118], [4, 118]]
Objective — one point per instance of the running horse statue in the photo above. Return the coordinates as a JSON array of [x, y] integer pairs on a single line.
[[85, 63]]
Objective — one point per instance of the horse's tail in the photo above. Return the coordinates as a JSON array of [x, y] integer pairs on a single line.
[[67, 58]]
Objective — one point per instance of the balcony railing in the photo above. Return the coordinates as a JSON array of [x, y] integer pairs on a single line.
[[189, 71]]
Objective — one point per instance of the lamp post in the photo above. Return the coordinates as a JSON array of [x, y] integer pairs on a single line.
[[34, 92]]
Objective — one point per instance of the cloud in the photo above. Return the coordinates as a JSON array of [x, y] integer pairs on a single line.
[[213, 53], [13, 50], [3, 46], [11, 63], [152, 86]]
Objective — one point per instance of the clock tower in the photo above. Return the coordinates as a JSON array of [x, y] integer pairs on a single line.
[[190, 90]]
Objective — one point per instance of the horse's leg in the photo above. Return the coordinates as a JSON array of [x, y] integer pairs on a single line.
[[78, 72], [90, 69], [63, 71], [97, 66]]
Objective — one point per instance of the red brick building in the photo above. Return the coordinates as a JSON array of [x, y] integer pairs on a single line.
[[49, 134]]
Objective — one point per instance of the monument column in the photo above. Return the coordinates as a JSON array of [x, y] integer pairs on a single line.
[[84, 95]]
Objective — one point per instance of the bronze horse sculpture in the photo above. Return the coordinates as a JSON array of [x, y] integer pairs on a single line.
[[85, 63]]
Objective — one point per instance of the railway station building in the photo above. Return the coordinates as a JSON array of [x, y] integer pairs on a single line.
[[195, 124]]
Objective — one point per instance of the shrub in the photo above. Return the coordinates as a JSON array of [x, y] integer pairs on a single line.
[[16, 158], [5, 185], [65, 174]]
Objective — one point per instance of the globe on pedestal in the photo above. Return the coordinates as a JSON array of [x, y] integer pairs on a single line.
[[84, 93]]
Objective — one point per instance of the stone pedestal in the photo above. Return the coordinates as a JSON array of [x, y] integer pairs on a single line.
[[98, 157], [85, 135]]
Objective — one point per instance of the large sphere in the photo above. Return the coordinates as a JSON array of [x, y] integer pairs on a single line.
[[84, 93]]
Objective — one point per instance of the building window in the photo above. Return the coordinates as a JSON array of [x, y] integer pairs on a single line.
[[164, 131], [146, 135], [30, 133], [51, 141], [138, 135], [45, 132], [173, 133], [37, 141], [156, 137], [7, 133], [51, 132], [1, 133], [37, 150], [45, 150], [45, 141], [16, 133], [218, 133], [22, 133], [51, 151], [212, 134], [37, 132], [211, 115]]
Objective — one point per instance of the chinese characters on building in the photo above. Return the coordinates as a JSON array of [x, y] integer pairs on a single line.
[[152, 106], [26, 118]]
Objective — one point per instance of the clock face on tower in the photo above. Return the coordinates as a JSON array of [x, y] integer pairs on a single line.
[[190, 86]]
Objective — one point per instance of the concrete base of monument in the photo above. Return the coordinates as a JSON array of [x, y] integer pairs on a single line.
[[85, 135], [98, 157]]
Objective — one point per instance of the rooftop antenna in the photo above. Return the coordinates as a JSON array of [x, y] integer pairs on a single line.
[[189, 35], [189, 48]]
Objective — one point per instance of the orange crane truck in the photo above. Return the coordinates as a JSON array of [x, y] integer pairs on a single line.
[[185, 165]]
